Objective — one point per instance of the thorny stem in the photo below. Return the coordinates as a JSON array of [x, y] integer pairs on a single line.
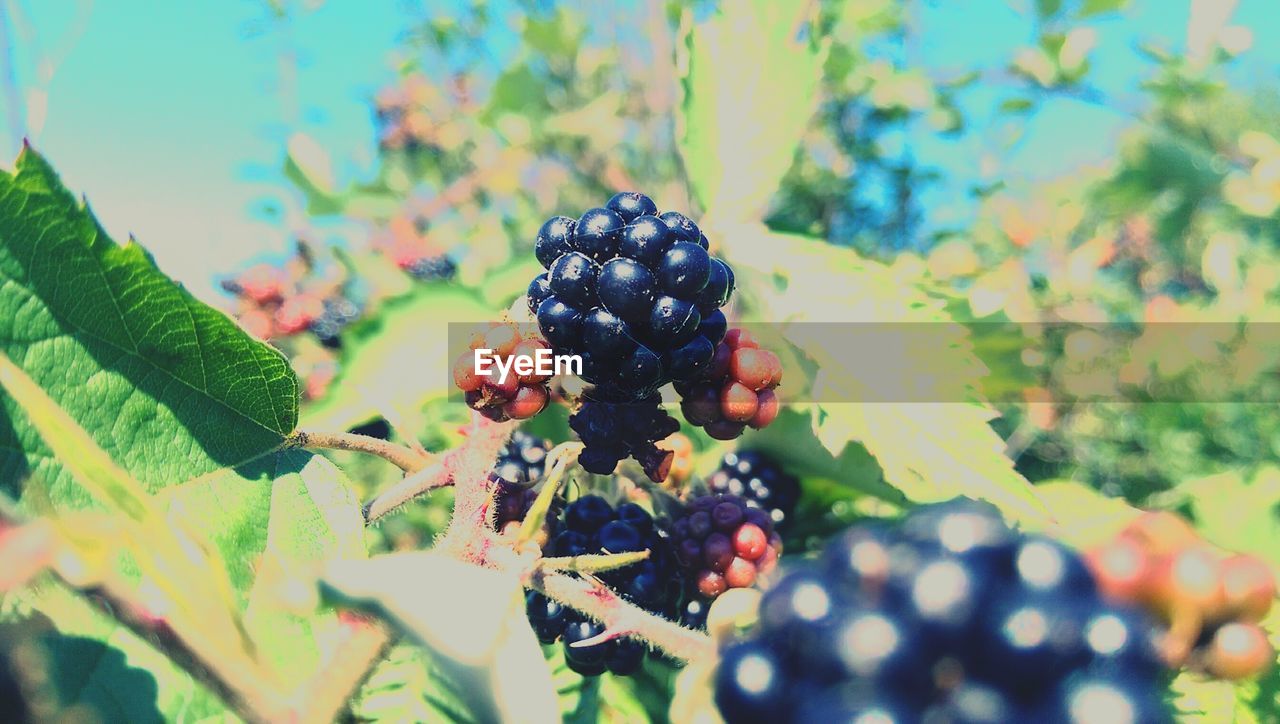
[[484, 440], [592, 563], [620, 617], [398, 455]]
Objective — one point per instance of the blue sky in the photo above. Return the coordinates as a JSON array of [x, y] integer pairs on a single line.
[[168, 116]]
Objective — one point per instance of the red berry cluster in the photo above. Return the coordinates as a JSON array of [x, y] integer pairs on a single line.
[[738, 389], [283, 301], [1210, 604], [518, 396], [724, 543]]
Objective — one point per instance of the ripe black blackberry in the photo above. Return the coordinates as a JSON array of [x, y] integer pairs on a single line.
[[951, 616], [591, 525], [760, 481], [633, 292], [612, 431]]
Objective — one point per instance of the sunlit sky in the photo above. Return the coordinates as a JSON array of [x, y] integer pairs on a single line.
[[169, 116]]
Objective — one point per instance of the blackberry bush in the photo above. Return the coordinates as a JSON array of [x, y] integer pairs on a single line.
[[759, 481], [591, 525], [950, 616]]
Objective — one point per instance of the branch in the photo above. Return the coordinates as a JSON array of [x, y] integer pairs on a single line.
[[622, 618], [325, 695], [398, 455], [484, 441]]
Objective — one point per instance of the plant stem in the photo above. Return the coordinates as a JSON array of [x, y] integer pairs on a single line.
[[398, 455], [324, 696], [622, 617], [484, 441]]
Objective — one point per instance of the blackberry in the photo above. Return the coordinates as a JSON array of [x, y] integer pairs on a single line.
[[591, 525], [339, 312], [950, 616], [722, 543], [759, 481], [634, 291], [432, 268], [523, 459], [612, 431], [514, 396], [735, 390]]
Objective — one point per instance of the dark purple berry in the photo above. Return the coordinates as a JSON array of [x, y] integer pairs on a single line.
[[588, 514], [598, 233], [630, 204], [719, 287], [559, 323], [555, 239], [573, 279], [713, 326], [673, 321], [645, 240], [539, 289], [682, 228], [687, 362], [626, 288], [619, 537], [684, 270], [606, 335]]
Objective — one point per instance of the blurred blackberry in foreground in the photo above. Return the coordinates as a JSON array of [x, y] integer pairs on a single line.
[[950, 616], [591, 525], [759, 481]]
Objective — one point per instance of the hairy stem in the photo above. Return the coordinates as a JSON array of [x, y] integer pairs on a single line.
[[621, 617], [484, 441], [592, 563], [398, 455]]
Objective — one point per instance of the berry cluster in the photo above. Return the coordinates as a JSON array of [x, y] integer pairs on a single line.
[[949, 617], [521, 393], [406, 242], [722, 543], [735, 390], [634, 292], [1211, 604], [518, 469], [591, 525], [278, 302], [612, 431], [759, 481]]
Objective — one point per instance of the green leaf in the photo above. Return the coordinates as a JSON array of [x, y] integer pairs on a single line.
[[749, 91], [170, 388], [131, 396], [934, 447], [1089, 8], [1238, 514], [399, 361], [1048, 8], [1083, 517], [471, 619], [407, 685]]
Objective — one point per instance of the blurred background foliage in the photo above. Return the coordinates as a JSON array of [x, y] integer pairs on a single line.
[[475, 150]]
